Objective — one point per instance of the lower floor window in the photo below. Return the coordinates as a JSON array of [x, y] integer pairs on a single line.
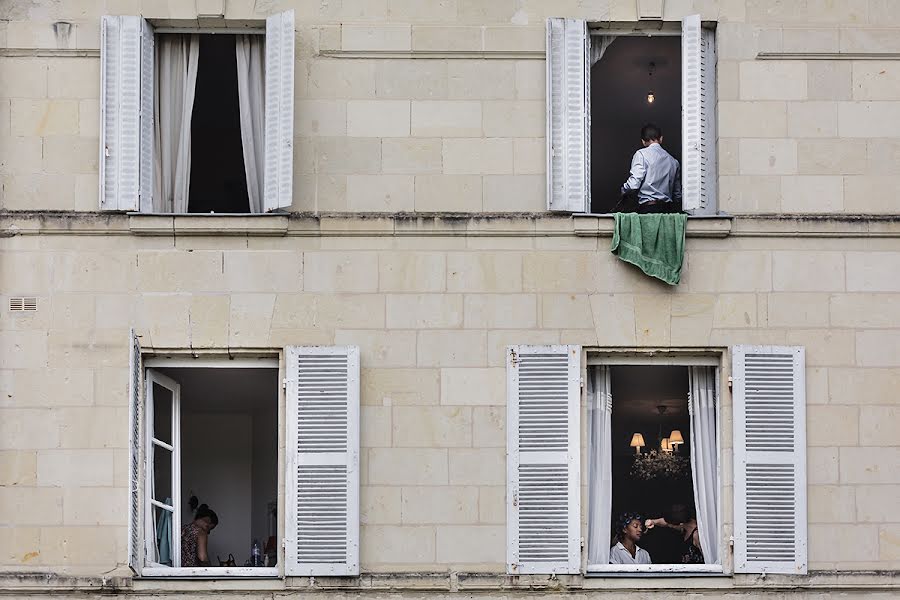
[[653, 468], [210, 468]]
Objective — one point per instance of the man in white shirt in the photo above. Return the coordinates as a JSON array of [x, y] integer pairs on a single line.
[[626, 551], [655, 175]]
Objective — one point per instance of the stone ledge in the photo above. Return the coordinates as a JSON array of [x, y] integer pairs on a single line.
[[697, 227], [220, 225]]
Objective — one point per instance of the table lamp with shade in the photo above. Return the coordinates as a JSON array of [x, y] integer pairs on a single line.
[[637, 442]]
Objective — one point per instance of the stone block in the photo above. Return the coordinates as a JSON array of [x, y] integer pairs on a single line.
[[832, 157], [4, 117], [876, 80], [773, 80], [482, 80], [500, 311], [389, 544], [829, 80], [475, 11], [752, 119], [180, 271], [561, 272], [415, 11], [378, 118], [518, 118], [873, 271], [263, 271], [25, 349], [411, 79], [90, 506], [824, 347], [477, 272], [341, 79], [889, 542], [531, 80], [735, 311], [411, 272], [868, 119], [729, 271], [77, 545], [249, 318], [798, 310], [411, 155], [20, 154], [500, 339], [446, 38], [381, 349], [488, 156], [653, 318], [18, 468], [865, 310], [482, 545], [70, 154], [878, 425], [822, 465], [448, 193], [473, 386], [439, 505], [831, 504], [812, 119], [375, 426], [812, 194], [529, 156], [27, 273], [424, 311], [93, 427], [380, 37], [74, 468], [728, 80], [380, 193], [749, 194], [515, 193], [613, 318], [379, 505], [397, 387], [825, 542], [869, 465], [691, 320], [876, 503], [313, 118], [810, 40], [868, 194], [408, 466], [863, 386], [492, 504], [882, 157], [27, 429], [31, 506], [73, 78], [20, 546], [451, 348], [489, 427], [478, 466], [446, 118], [24, 78], [513, 38], [869, 39], [347, 155], [832, 425], [802, 271], [768, 157], [43, 117], [340, 271], [208, 320]]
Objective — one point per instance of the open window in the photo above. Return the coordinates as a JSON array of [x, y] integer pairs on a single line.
[[603, 85], [196, 121], [210, 429]]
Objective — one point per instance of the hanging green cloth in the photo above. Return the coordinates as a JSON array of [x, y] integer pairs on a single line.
[[654, 243]]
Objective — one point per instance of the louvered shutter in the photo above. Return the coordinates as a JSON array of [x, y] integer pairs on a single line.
[[279, 118], [769, 460], [698, 134], [322, 525], [122, 57], [135, 439], [543, 495], [568, 174], [147, 137]]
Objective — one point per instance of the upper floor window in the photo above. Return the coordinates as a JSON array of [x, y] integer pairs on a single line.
[[196, 121], [603, 86]]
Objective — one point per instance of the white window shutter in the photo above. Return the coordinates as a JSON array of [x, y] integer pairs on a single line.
[[279, 118], [322, 525], [769, 460], [568, 174], [147, 115], [698, 134], [543, 456], [121, 60], [135, 416]]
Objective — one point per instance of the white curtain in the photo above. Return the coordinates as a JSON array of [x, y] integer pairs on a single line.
[[599, 45], [251, 60], [704, 464], [599, 465], [175, 83]]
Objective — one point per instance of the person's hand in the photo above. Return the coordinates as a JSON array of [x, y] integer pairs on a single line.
[[649, 524]]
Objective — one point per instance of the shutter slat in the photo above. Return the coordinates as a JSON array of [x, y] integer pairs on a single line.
[[543, 458], [568, 174], [323, 467], [698, 127], [279, 112], [146, 116], [135, 381], [770, 460]]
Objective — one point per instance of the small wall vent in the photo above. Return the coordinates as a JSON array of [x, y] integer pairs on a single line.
[[23, 304]]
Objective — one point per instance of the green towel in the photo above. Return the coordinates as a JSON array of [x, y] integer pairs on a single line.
[[654, 242]]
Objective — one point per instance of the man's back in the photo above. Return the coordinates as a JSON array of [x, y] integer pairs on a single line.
[[655, 174]]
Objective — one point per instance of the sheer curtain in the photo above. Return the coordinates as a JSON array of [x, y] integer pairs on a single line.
[[176, 80], [599, 46], [704, 462], [599, 465], [251, 57]]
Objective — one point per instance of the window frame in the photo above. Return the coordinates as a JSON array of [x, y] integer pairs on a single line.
[[710, 358], [150, 362]]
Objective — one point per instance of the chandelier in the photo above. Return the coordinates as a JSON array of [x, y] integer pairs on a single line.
[[659, 463]]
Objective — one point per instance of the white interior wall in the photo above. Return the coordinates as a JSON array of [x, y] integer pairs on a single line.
[[264, 470]]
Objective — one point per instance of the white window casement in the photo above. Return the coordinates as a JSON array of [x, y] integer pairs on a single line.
[[209, 428], [578, 158], [626, 395], [154, 79]]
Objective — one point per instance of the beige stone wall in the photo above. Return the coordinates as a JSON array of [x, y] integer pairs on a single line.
[[431, 304], [386, 132]]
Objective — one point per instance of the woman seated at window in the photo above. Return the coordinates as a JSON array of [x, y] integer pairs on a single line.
[[628, 530], [683, 520]]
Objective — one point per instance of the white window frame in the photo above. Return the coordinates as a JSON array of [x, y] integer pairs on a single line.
[[562, 201], [128, 57], [596, 358], [151, 375]]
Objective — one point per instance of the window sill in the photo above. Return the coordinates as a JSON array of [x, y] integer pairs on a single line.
[[209, 572], [674, 570], [713, 226], [204, 224]]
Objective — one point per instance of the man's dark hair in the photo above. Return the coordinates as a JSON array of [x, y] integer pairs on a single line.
[[650, 132]]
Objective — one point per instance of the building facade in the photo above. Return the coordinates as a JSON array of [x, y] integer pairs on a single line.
[[421, 259]]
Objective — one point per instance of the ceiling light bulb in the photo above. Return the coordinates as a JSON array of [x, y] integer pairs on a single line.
[[650, 97]]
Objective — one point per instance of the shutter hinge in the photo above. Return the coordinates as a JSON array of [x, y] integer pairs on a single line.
[[284, 384]]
